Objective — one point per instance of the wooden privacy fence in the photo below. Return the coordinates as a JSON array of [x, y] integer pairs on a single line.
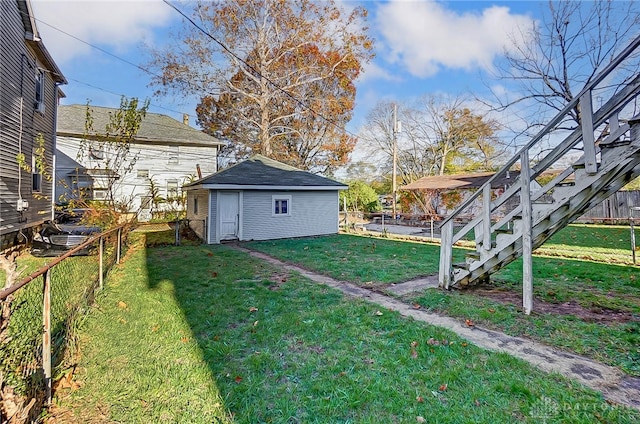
[[39, 317], [614, 209]]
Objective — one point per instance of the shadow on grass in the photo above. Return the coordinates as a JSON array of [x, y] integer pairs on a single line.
[[282, 349]]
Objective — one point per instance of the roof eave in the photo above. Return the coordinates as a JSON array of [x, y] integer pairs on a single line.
[[268, 187]]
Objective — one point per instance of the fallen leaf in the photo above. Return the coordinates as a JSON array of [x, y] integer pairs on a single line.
[[214, 274], [419, 399], [469, 323], [420, 419], [433, 342], [414, 344], [209, 254], [238, 379], [477, 402], [255, 323], [253, 309], [465, 344], [444, 387], [378, 313], [414, 353], [184, 339], [155, 328], [122, 305], [416, 306], [491, 310]]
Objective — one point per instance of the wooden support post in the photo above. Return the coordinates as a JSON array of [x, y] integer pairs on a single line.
[[486, 217], [527, 247], [46, 334], [177, 232], [633, 241], [446, 253], [588, 137], [100, 264]]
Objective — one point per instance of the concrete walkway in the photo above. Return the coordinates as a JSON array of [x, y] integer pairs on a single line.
[[612, 383]]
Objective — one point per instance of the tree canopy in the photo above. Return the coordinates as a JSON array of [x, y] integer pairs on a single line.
[[274, 77]]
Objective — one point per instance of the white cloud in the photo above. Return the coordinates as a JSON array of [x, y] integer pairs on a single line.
[[372, 71], [426, 37], [119, 25]]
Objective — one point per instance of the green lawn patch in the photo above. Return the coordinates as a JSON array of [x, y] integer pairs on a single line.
[[210, 334], [588, 307], [358, 259]]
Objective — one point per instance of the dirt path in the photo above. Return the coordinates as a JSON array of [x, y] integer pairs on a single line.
[[614, 385]]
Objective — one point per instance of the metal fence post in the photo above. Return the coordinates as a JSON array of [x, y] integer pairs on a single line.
[[46, 334], [205, 235], [101, 260], [177, 232], [119, 247]]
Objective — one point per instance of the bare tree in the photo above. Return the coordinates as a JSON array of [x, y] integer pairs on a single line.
[[552, 61]]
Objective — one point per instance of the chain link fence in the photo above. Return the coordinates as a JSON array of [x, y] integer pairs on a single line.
[[40, 314]]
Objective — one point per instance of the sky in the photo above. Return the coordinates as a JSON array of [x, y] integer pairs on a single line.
[[422, 47]]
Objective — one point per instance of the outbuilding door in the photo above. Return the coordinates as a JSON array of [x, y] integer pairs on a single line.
[[229, 215]]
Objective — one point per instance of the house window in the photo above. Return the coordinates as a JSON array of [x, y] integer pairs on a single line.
[[39, 102], [195, 206], [281, 205], [36, 177], [143, 173], [174, 155], [172, 188], [99, 194]]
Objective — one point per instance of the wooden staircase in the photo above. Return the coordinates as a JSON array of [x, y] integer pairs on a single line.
[[583, 168]]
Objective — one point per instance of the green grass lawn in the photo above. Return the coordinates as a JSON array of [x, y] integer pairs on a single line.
[[209, 334], [607, 289]]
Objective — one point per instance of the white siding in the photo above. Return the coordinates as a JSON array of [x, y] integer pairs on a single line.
[[158, 159], [198, 221], [312, 213]]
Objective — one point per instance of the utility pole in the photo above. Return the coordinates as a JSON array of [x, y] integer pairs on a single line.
[[395, 158]]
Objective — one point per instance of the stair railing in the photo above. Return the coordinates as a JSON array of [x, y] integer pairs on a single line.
[[488, 221]]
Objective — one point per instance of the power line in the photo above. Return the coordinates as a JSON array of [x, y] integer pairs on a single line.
[[124, 95], [128, 62]]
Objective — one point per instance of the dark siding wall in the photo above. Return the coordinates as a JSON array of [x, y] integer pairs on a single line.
[[20, 124]]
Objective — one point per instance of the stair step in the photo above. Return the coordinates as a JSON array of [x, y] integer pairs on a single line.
[[471, 257], [504, 231], [582, 165], [566, 184], [461, 265], [615, 143]]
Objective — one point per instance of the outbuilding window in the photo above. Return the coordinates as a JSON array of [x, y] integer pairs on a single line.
[[281, 205]]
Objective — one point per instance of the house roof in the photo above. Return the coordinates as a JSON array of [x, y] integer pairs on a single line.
[[262, 173], [32, 36], [155, 127], [471, 180]]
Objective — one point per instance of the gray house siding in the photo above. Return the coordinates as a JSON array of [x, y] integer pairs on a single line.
[[21, 124], [312, 213]]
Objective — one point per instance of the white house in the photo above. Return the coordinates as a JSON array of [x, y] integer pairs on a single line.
[[262, 199], [169, 154]]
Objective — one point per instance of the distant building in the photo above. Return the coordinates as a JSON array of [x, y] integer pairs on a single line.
[[30, 82], [170, 153], [447, 192], [262, 199]]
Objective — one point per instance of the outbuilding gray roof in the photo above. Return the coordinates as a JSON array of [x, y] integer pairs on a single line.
[[155, 127], [261, 172]]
